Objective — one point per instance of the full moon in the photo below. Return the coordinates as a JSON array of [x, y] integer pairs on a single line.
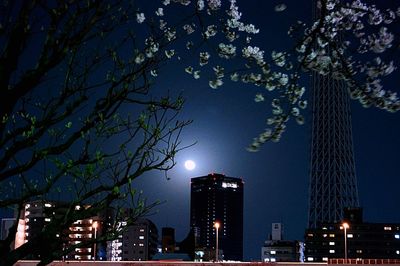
[[190, 165]]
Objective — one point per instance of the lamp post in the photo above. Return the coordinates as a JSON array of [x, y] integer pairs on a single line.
[[345, 227], [216, 225], [95, 225]]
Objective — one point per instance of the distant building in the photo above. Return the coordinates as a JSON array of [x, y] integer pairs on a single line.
[[137, 242], [38, 214], [80, 231], [6, 224], [363, 240], [184, 250], [277, 231], [171, 257], [217, 198], [168, 240], [278, 250]]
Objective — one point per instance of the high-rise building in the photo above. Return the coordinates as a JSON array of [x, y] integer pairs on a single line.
[[333, 184], [218, 198]]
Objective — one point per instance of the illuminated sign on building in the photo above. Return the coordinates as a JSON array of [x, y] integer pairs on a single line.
[[229, 184]]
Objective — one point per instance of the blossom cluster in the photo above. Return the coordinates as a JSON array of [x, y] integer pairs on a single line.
[[349, 43]]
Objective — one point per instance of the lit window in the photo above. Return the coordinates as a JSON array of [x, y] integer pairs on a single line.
[[331, 235], [141, 237], [324, 259], [397, 236], [324, 228], [266, 259], [332, 251], [325, 235], [349, 235], [310, 259], [141, 230], [47, 219], [273, 259], [273, 252], [331, 243], [141, 245], [48, 205], [359, 251], [387, 228], [397, 252], [310, 235]]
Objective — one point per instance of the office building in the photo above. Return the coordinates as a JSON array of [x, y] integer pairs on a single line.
[[216, 198]]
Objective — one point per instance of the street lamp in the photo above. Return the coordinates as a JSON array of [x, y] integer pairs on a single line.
[[95, 225], [216, 225], [345, 227]]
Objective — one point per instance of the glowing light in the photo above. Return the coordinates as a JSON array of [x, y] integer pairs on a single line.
[[95, 225], [217, 225], [190, 165], [346, 225]]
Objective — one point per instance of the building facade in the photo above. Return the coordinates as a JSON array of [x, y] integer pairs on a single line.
[[362, 240], [38, 214], [217, 198], [276, 249], [137, 242]]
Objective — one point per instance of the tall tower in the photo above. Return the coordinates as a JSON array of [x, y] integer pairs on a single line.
[[333, 183], [217, 198]]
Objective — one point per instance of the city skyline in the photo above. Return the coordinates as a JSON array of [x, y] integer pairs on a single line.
[[276, 178]]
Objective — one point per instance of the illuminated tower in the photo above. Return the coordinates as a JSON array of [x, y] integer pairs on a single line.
[[333, 183], [217, 198]]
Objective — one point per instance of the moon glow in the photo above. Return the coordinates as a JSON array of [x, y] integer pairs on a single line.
[[190, 165]]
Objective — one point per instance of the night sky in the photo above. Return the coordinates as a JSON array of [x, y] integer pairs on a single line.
[[276, 178]]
